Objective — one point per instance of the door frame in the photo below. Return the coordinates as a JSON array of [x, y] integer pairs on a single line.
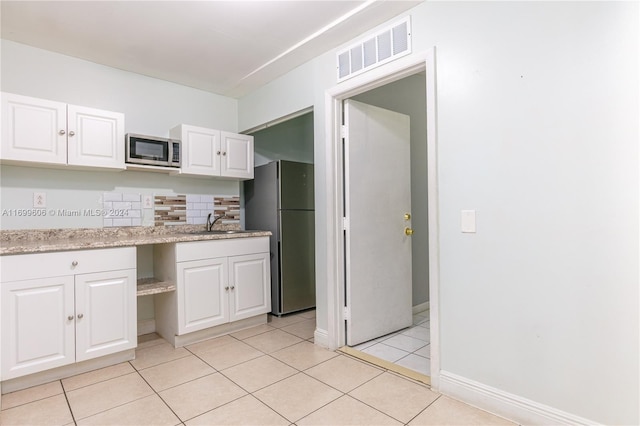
[[403, 67]]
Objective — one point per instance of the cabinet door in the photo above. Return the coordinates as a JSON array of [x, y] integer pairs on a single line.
[[202, 287], [237, 156], [95, 138], [33, 130], [200, 150], [37, 325], [250, 293], [106, 315]]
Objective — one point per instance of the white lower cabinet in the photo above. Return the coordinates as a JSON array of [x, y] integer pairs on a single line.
[[36, 332], [203, 288], [250, 291], [106, 316], [218, 282], [66, 307]]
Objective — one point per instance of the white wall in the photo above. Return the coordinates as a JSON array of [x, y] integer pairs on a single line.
[[290, 140], [538, 107], [150, 106]]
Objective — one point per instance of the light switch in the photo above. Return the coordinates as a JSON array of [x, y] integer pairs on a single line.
[[468, 221], [39, 200]]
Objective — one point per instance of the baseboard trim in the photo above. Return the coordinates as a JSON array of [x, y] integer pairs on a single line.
[[510, 406], [321, 338], [42, 377], [216, 331], [420, 307]]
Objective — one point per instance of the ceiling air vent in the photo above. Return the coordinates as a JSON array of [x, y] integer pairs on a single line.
[[374, 50]]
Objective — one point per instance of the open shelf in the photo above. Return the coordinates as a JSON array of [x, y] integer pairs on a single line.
[[147, 286]]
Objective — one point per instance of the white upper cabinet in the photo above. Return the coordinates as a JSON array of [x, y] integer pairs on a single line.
[[95, 137], [237, 155], [214, 153], [33, 130], [52, 133], [199, 150]]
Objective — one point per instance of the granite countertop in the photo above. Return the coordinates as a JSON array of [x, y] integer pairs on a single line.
[[47, 240]]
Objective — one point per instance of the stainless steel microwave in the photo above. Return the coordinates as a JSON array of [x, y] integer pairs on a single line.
[[152, 151]]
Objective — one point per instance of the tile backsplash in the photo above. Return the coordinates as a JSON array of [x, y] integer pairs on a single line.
[[126, 209], [121, 209], [170, 210], [199, 207]]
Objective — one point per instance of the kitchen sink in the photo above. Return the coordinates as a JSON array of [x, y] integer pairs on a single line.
[[218, 232]]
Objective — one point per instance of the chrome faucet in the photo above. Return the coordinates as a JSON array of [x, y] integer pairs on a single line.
[[210, 223]]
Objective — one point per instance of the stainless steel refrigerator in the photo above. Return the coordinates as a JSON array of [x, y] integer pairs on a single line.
[[280, 199]]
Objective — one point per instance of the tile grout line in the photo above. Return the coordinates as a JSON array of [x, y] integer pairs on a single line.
[[159, 396], [349, 392], [66, 398], [120, 405], [424, 409], [215, 371], [248, 393], [278, 381]]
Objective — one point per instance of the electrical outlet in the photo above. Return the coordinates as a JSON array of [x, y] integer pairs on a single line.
[[39, 200], [147, 201]]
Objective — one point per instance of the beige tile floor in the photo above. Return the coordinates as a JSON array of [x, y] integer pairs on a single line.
[[267, 375], [408, 348]]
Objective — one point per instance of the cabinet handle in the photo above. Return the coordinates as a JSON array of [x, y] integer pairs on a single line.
[[80, 316], [72, 133], [70, 317], [218, 153], [226, 288], [74, 263], [61, 132], [224, 153], [232, 287]]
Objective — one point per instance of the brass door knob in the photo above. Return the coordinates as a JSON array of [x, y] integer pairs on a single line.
[[408, 231], [407, 216]]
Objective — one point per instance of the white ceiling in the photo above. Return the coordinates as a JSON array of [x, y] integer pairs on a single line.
[[224, 47]]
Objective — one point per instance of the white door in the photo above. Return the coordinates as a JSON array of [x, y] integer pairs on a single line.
[[38, 325], [106, 314], [203, 294], [250, 280], [33, 130], [377, 198], [237, 156], [95, 137]]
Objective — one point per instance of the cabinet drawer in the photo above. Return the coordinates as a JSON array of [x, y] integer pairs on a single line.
[[44, 265], [198, 250]]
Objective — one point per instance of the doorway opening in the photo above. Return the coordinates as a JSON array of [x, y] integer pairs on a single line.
[[280, 199], [409, 81]]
